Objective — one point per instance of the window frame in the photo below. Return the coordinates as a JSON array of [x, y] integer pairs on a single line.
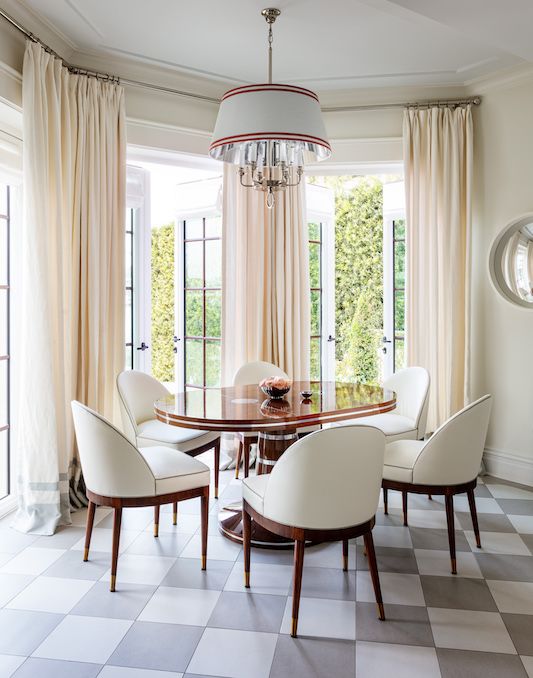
[[5, 286]]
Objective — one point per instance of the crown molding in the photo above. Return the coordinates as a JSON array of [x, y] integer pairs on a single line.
[[141, 122], [501, 79]]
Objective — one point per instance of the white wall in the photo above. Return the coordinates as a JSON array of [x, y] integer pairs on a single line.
[[502, 346]]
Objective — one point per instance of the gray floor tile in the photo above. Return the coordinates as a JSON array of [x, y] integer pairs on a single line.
[[405, 625], [248, 612], [315, 658], [52, 668], [482, 491], [324, 582], [520, 628], [510, 568], [71, 565], [21, 631], [390, 560], [488, 522], [170, 545], [465, 664], [517, 507], [460, 593], [64, 538], [163, 647], [276, 557], [125, 603], [187, 573], [528, 541], [393, 519], [436, 539]]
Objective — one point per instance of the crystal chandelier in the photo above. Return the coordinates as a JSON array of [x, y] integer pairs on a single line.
[[269, 130]]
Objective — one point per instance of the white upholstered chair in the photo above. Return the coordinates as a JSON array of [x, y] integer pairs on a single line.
[[408, 420], [446, 464], [120, 475], [138, 391], [253, 373], [325, 487]]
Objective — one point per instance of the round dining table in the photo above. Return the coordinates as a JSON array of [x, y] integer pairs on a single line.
[[276, 422]]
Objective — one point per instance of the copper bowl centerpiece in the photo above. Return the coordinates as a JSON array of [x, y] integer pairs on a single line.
[[275, 387], [275, 408]]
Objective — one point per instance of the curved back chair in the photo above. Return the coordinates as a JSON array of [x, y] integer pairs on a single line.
[[325, 487], [252, 373], [119, 475], [408, 420], [137, 393], [446, 464]]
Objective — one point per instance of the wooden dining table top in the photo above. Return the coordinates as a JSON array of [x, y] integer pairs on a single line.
[[247, 408]]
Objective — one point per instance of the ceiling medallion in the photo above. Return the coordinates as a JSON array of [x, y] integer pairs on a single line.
[[270, 130]]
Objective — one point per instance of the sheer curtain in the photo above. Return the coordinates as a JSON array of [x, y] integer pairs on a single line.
[[265, 287], [438, 153], [72, 308]]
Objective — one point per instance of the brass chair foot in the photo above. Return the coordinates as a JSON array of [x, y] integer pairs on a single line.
[[174, 518], [86, 555], [294, 627], [204, 562], [345, 563], [454, 566], [216, 492], [237, 473], [156, 529], [381, 611], [247, 580], [113, 582]]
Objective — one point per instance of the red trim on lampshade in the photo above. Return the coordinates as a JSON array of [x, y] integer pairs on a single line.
[[267, 136], [269, 88]]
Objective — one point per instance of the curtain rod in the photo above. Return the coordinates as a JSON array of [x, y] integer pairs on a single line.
[[475, 100]]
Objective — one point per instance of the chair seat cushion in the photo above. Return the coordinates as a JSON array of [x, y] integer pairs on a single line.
[[394, 426], [253, 491], [155, 432], [174, 471], [400, 458]]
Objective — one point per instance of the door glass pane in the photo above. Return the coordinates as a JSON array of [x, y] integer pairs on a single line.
[[314, 231], [194, 367], [3, 247], [399, 353], [3, 392], [163, 311], [213, 227], [315, 359], [3, 200], [315, 312], [194, 321], [194, 276], [213, 311], [213, 263], [3, 322], [314, 264], [399, 306], [4, 465], [194, 228], [212, 363], [128, 260], [399, 264]]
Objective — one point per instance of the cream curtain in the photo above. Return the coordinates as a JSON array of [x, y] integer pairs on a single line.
[[72, 310], [438, 150], [265, 287]]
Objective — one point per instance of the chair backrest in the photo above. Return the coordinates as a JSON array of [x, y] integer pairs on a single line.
[[111, 465], [253, 373], [138, 391], [452, 455], [411, 386], [328, 480]]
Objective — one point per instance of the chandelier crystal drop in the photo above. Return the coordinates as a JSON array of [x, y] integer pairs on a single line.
[[270, 130]]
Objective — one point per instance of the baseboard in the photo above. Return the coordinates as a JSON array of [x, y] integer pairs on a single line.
[[508, 466]]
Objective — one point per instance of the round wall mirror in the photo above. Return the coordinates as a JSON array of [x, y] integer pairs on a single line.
[[511, 262]]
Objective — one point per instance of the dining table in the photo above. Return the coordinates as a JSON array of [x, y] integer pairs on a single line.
[[276, 422]]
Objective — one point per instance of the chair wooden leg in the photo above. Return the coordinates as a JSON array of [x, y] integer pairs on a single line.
[[451, 530], [385, 501], [217, 466], [345, 555], [247, 447], [116, 542], [238, 462], [175, 513], [247, 545], [473, 513], [156, 521], [89, 529], [430, 497], [205, 524], [404, 505], [374, 574], [299, 550]]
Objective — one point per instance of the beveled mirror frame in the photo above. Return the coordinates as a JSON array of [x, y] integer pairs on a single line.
[[496, 256]]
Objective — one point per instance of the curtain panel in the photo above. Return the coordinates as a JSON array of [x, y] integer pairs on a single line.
[[438, 160], [72, 308]]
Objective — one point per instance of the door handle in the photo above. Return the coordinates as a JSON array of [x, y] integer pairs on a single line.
[[330, 338], [142, 347], [386, 341]]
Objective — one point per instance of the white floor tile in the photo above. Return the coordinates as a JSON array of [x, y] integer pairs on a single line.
[[469, 630], [239, 654], [126, 672], [400, 661], [171, 605], [102, 540], [528, 665], [438, 563], [83, 639], [396, 589], [522, 524], [218, 548], [79, 518], [322, 618], [499, 542], [32, 561], [397, 537], [188, 523], [9, 664], [265, 578], [509, 492], [137, 569], [483, 505], [515, 597], [11, 585], [433, 519], [12, 541], [4, 557], [51, 594], [329, 555]]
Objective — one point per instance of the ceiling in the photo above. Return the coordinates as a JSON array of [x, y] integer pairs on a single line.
[[338, 44]]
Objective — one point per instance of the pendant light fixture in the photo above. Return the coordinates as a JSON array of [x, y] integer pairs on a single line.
[[270, 131]]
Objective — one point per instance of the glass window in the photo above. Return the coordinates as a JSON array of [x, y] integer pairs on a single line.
[[398, 254], [4, 342], [129, 315], [315, 282], [202, 253]]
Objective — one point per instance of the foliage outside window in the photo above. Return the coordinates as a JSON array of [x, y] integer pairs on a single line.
[[399, 293], [163, 314], [315, 278]]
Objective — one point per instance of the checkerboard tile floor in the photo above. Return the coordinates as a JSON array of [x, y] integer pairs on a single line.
[[169, 619]]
